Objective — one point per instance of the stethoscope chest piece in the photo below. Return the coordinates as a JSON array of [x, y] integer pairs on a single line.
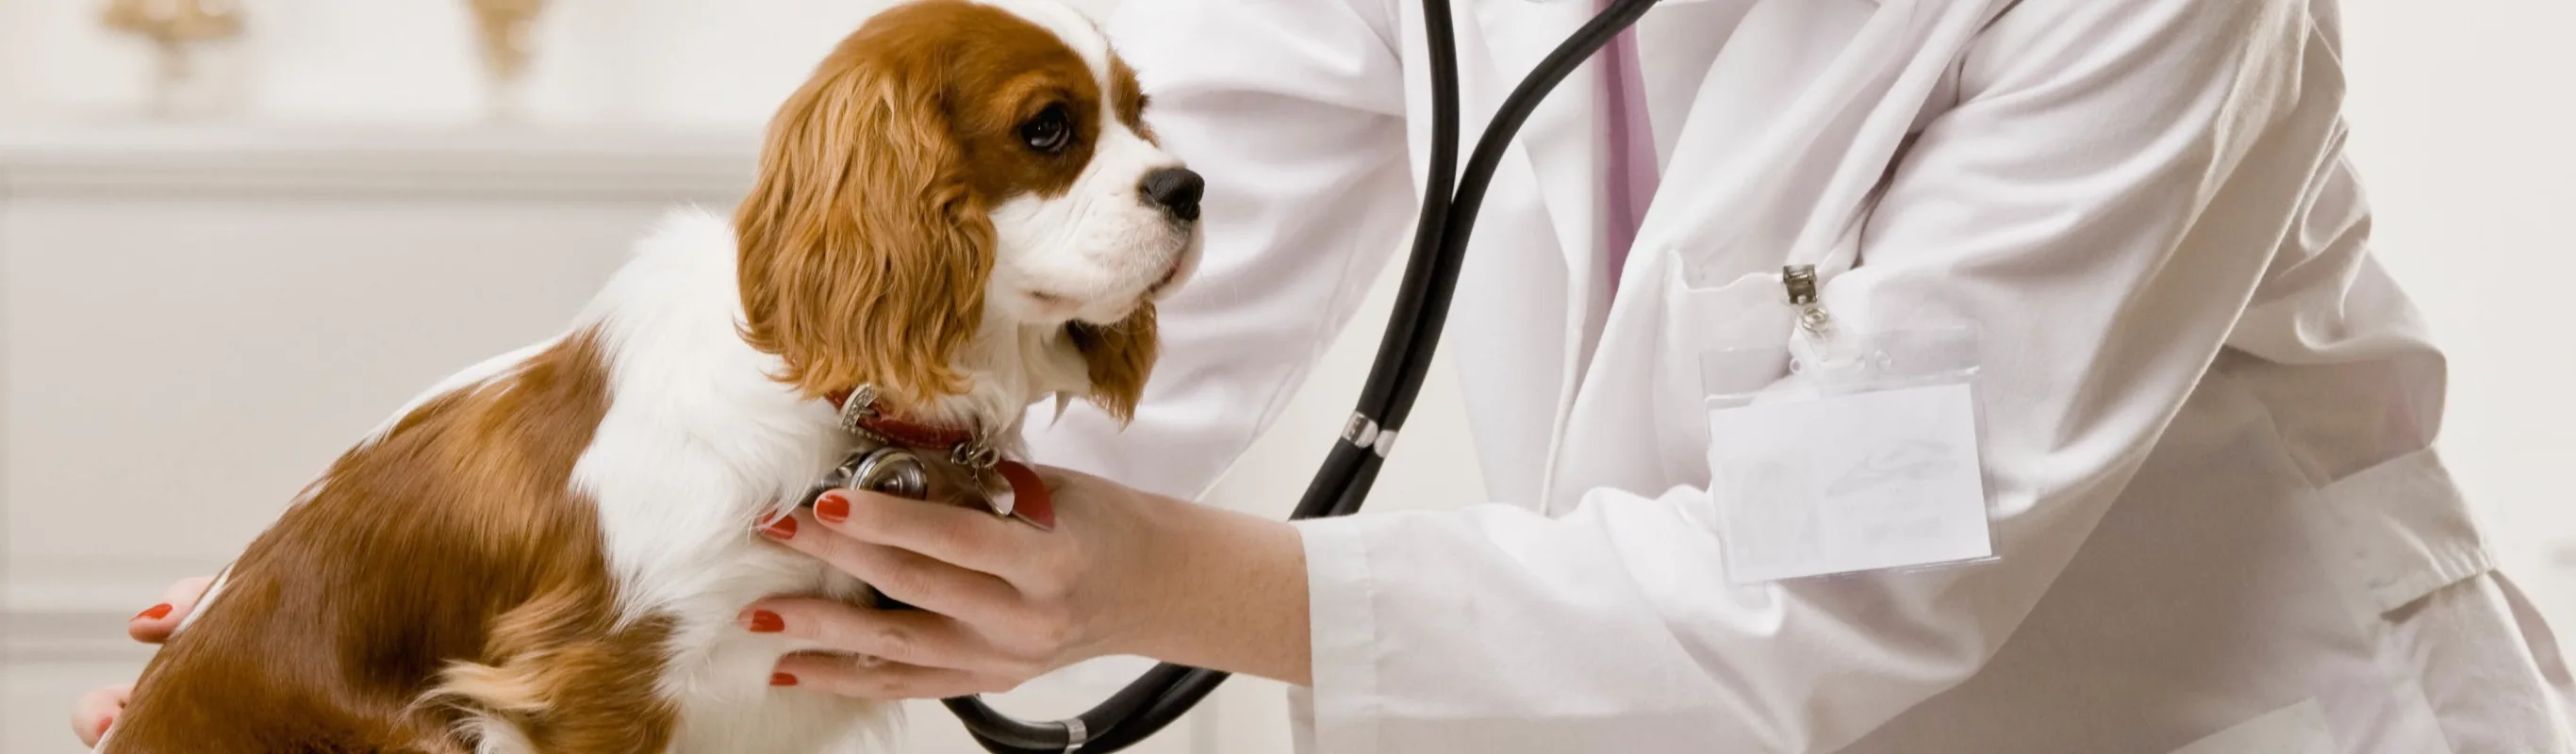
[[893, 471], [890, 470]]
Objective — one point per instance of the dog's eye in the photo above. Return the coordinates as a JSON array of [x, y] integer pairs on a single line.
[[1050, 132]]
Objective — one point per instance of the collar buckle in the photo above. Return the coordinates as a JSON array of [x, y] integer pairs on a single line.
[[860, 415], [858, 408]]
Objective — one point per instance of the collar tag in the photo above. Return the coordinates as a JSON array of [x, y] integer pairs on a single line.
[[1028, 498]]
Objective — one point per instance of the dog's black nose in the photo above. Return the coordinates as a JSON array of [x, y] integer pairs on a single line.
[[1176, 190]]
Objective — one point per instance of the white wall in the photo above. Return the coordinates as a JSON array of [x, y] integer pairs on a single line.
[[651, 62], [2459, 109], [2462, 113]]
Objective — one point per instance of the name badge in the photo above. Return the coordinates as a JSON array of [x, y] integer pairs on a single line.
[[1865, 458]]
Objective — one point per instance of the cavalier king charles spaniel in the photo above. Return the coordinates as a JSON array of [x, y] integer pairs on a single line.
[[961, 215]]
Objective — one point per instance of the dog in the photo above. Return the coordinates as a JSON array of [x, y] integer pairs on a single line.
[[960, 216]]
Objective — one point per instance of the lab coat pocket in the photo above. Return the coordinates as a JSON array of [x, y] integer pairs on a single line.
[[1698, 320]]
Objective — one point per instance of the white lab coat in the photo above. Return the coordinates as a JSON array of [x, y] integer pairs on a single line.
[[2209, 412]]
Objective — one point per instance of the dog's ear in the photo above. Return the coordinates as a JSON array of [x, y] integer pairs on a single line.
[[1120, 357], [863, 254]]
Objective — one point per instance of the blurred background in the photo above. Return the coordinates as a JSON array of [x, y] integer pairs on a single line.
[[233, 235]]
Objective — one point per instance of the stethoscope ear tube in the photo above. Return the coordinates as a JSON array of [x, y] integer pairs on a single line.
[[1341, 484]]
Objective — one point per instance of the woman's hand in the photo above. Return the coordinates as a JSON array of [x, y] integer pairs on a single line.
[[1123, 573], [97, 709]]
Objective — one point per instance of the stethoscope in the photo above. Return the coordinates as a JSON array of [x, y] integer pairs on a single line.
[[1449, 207]]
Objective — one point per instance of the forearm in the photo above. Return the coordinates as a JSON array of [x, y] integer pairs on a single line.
[[1229, 594]]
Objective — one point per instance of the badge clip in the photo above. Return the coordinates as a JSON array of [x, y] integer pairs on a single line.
[[1801, 282]]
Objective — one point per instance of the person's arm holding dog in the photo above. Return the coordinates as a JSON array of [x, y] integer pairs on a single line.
[[1123, 573]]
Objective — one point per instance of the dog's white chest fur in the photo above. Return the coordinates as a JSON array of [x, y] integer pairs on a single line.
[[697, 446], [719, 678]]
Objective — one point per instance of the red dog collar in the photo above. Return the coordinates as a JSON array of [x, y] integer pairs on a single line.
[[1028, 497], [869, 415]]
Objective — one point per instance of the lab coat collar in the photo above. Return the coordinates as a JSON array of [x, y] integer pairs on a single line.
[[1556, 150], [1556, 140]]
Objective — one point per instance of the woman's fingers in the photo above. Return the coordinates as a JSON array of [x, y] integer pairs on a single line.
[[916, 580], [155, 624], [96, 710], [972, 539], [872, 678], [909, 637]]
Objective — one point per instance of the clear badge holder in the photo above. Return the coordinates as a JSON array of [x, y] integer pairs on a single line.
[[1840, 453]]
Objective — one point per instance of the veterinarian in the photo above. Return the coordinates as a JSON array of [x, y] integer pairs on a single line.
[[2106, 253]]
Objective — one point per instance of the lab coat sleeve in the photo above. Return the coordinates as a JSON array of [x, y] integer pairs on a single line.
[[1293, 113], [2100, 201]]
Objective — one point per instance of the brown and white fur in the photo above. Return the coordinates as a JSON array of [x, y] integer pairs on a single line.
[[547, 551]]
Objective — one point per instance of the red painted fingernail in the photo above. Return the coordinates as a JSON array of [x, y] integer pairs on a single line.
[[763, 622], [832, 508], [783, 528], [157, 612], [781, 679]]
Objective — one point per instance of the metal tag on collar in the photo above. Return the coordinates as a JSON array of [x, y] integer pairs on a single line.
[[861, 406], [1023, 495], [979, 460], [997, 492]]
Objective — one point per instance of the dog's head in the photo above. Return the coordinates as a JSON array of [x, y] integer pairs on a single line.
[[954, 166]]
